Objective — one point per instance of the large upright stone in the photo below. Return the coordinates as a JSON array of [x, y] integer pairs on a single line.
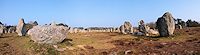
[[21, 28], [142, 26], [166, 24], [48, 34], [75, 30], [114, 29], [118, 30], [71, 30], [5, 30], [111, 30], [122, 29], [11, 30], [127, 27], [1, 28], [53, 23], [131, 29], [179, 27]]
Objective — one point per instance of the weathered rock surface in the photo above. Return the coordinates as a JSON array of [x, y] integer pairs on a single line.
[[75, 30], [48, 34], [179, 26], [122, 29], [53, 23], [21, 28], [71, 30], [166, 24], [11, 30], [114, 29], [131, 29], [127, 27], [142, 26], [1, 28], [118, 30]]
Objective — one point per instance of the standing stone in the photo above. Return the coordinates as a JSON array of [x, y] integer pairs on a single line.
[[127, 27], [21, 28], [11, 30], [131, 29], [48, 34], [71, 30], [111, 30], [179, 26], [89, 29], [134, 30], [122, 29], [1, 28], [166, 24], [114, 29], [118, 30], [142, 26], [4, 30], [53, 23], [75, 30]]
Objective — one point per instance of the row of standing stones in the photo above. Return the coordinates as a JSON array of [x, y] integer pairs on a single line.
[[52, 34]]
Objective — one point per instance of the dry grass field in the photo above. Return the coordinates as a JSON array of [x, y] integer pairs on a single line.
[[184, 41]]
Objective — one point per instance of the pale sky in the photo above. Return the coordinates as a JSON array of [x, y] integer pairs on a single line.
[[96, 13]]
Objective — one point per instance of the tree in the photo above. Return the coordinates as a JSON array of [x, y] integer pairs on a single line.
[[152, 25], [30, 22], [191, 23], [179, 20], [182, 23], [61, 24], [35, 23], [1, 23]]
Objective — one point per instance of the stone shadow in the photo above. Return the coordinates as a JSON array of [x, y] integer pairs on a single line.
[[66, 40]]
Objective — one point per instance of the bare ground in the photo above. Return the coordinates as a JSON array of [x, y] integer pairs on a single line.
[[184, 42]]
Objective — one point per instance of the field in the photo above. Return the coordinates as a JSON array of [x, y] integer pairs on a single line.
[[184, 41]]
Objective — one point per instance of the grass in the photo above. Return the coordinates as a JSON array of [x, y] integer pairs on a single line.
[[98, 42]]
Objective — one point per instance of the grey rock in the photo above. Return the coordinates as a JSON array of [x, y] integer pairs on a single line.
[[151, 31], [166, 25], [5, 30], [128, 52], [114, 29], [53, 23], [1, 28], [122, 29], [11, 30], [21, 28], [118, 30], [48, 34], [142, 27], [179, 26], [111, 30], [140, 34], [131, 29], [127, 27], [75, 30], [71, 30]]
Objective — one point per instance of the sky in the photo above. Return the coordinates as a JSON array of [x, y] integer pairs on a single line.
[[96, 13]]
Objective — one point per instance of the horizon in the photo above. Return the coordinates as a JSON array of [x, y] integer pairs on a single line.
[[98, 13]]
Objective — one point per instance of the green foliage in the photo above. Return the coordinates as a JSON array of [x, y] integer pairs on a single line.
[[191, 23], [42, 49], [1, 23], [61, 24], [35, 23]]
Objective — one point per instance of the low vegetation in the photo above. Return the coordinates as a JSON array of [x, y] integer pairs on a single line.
[[184, 41]]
